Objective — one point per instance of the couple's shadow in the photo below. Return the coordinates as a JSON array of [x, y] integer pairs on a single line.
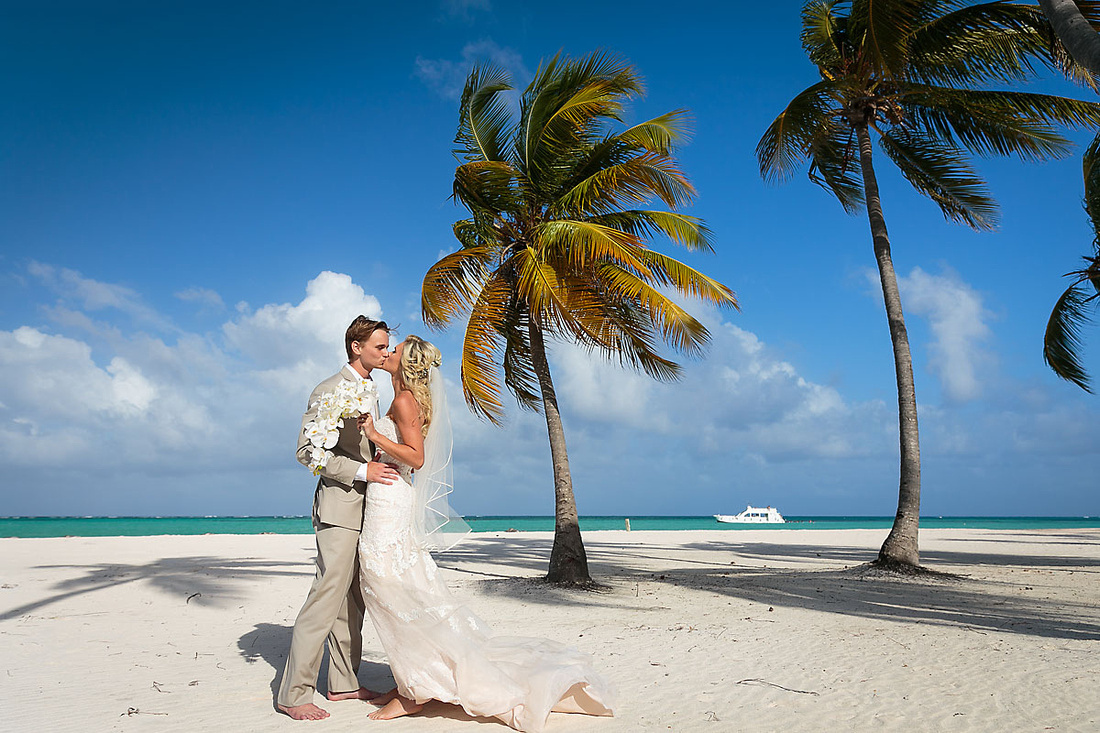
[[270, 643]]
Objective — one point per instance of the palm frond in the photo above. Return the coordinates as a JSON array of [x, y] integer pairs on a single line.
[[660, 134], [583, 243], [481, 342], [785, 145], [1062, 341], [835, 163], [484, 121], [451, 284], [821, 34], [941, 172], [566, 105], [664, 270], [636, 180], [553, 300], [978, 43], [882, 29], [997, 122], [688, 231], [519, 374], [628, 336], [487, 184], [1090, 163], [678, 328]]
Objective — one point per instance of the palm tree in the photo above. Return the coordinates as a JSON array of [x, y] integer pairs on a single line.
[[1062, 341], [916, 74], [554, 250], [1073, 23]]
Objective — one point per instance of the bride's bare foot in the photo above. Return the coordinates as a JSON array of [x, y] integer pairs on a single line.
[[309, 711], [384, 698], [396, 708], [361, 694]]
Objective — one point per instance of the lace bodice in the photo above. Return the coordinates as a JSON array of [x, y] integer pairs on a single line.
[[388, 428]]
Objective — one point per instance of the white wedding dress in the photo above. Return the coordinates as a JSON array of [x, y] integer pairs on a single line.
[[437, 648]]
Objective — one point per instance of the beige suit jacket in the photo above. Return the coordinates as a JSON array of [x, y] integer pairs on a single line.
[[339, 497]]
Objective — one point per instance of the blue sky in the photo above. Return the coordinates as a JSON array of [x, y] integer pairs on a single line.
[[195, 199]]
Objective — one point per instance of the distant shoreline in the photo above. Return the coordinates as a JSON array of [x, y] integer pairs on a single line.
[[31, 527]]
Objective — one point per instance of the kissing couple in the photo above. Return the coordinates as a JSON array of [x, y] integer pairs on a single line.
[[379, 509]]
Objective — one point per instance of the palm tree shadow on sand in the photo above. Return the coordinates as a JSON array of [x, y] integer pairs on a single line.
[[732, 568], [196, 580]]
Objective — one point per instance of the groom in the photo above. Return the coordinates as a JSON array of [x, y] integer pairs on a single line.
[[334, 607]]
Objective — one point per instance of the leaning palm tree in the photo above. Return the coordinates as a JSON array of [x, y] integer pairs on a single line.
[[916, 74], [1062, 341], [555, 250]]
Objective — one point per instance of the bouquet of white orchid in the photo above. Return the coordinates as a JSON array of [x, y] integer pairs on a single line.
[[350, 399]]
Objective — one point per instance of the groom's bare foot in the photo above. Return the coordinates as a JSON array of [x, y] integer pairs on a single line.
[[309, 711], [361, 694], [396, 708]]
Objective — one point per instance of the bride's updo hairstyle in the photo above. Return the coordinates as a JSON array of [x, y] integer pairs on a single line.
[[417, 358]]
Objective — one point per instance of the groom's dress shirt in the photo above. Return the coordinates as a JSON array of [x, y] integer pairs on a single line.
[[361, 474]]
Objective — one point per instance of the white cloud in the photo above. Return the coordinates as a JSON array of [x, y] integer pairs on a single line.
[[92, 295], [957, 318], [447, 77], [741, 399], [205, 297], [312, 330], [197, 407], [117, 421]]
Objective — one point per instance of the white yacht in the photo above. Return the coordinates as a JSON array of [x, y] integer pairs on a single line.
[[754, 515]]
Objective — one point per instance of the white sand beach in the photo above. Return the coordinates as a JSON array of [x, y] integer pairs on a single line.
[[759, 630]]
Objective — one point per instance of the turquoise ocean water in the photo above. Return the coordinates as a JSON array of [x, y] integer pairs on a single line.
[[145, 526]]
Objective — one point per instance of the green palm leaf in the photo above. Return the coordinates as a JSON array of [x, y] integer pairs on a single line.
[[584, 243], [658, 135], [679, 329], [835, 165], [1062, 341], [688, 231], [484, 122], [451, 284], [939, 171], [479, 374], [883, 28], [636, 180], [998, 123], [785, 145], [822, 35]]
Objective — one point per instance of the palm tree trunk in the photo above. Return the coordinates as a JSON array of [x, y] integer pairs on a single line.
[[568, 561], [1074, 32], [900, 547]]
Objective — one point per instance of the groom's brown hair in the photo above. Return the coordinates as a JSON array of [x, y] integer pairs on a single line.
[[360, 330]]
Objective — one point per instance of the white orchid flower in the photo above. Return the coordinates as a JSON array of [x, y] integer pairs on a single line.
[[314, 433], [331, 438], [318, 459]]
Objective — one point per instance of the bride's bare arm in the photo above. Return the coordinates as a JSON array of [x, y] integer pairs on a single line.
[[406, 415]]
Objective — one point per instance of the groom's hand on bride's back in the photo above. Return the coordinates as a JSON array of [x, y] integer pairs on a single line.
[[381, 473]]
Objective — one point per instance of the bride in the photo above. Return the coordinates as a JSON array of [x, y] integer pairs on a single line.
[[438, 649]]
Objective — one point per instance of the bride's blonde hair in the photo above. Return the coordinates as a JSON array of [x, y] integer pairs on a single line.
[[417, 359]]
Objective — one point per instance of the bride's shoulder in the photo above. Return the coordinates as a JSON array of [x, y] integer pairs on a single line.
[[405, 407]]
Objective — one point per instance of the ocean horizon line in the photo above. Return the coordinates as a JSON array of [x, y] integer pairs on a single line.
[[141, 526], [791, 517]]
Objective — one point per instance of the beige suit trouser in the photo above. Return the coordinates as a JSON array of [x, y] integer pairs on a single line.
[[333, 610]]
